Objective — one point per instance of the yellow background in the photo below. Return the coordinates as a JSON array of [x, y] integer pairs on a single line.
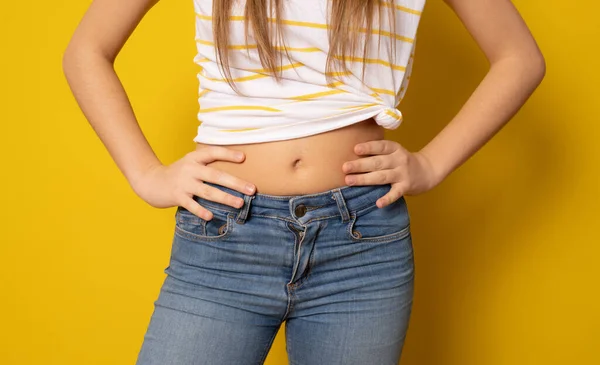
[[507, 247]]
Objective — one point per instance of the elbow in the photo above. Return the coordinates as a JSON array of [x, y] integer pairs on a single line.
[[67, 56], [78, 56], [70, 57], [529, 66], [537, 67], [68, 62]]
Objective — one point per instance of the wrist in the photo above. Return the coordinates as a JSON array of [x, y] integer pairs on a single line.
[[137, 178], [436, 173]]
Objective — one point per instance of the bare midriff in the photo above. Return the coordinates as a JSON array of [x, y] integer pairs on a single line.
[[303, 165]]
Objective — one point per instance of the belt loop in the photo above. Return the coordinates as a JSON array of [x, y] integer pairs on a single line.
[[341, 203], [243, 214]]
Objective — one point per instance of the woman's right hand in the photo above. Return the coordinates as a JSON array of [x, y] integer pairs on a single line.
[[164, 186]]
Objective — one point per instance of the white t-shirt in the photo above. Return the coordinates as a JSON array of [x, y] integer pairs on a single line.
[[303, 103]]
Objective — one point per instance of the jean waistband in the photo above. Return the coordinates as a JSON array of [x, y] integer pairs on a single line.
[[302, 208]]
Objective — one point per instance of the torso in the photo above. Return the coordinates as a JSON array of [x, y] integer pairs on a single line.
[[304, 165]]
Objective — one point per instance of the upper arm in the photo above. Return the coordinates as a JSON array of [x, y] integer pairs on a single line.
[[498, 28], [107, 24]]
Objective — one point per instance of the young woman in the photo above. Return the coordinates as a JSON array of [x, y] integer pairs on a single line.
[[291, 208]]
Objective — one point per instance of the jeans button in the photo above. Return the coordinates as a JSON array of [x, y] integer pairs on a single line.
[[300, 210]]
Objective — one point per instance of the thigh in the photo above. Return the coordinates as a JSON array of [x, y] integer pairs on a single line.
[[355, 305], [354, 339], [187, 334], [355, 327], [220, 302]]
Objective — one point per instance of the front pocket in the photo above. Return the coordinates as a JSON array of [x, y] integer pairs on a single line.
[[194, 228], [374, 224]]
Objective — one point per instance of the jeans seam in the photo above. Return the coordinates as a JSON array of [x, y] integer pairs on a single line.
[[291, 229], [293, 220], [197, 237], [221, 209], [403, 233], [321, 218], [288, 346], [290, 304], [308, 272], [274, 217]]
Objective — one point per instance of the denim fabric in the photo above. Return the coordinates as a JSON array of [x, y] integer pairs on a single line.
[[338, 270]]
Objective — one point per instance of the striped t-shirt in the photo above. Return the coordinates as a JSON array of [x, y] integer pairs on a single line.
[[303, 103]]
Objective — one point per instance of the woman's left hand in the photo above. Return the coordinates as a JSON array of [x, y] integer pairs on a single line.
[[409, 173]]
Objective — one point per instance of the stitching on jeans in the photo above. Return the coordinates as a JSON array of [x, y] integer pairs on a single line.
[[220, 208], [308, 271], [321, 218], [294, 221], [350, 225], [288, 344], [403, 233], [322, 193], [290, 302], [289, 197], [359, 211], [371, 206], [196, 237], [291, 227], [294, 234], [313, 207], [301, 282], [274, 217], [183, 219]]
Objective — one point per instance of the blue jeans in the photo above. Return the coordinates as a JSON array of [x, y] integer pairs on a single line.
[[338, 270]]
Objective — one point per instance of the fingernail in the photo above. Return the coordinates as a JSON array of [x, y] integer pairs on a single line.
[[250, 188], [239, 155], [350, 180]]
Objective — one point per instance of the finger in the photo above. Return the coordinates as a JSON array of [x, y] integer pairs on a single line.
[[215, 176], [366, 164], [214, 194], [377, 147], [372, 178], [391, 196], [213, 153], [196, 209]]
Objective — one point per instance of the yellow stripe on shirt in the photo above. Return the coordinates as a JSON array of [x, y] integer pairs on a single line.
[[372, 60], [384, 91], [317, 95], [358, 107], [261, 73]]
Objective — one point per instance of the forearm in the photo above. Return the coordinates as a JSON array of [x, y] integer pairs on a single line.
[[497, 98], [104, 102]]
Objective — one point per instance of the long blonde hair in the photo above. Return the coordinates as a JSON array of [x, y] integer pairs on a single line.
[[350, 25]]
